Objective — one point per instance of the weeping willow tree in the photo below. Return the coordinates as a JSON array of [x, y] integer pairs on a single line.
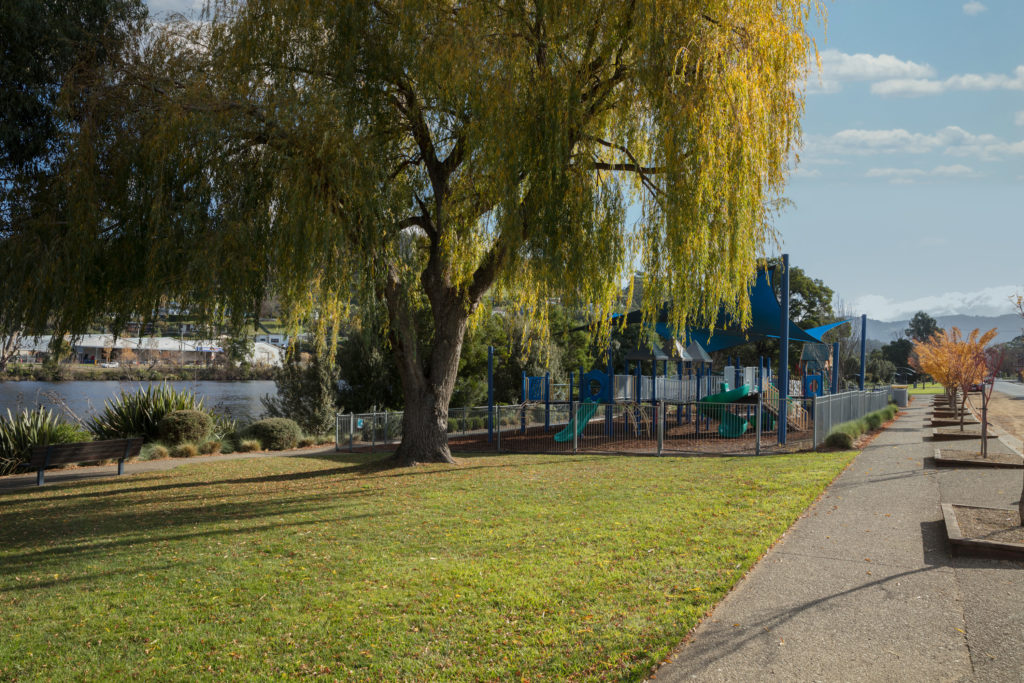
[[404, 160]]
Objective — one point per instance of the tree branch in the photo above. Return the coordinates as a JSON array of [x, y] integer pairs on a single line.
[[635, 168]]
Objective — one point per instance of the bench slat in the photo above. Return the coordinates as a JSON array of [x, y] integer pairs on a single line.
[[86, 451]]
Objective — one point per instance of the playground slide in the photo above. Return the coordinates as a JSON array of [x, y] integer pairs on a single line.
[[730, 426], [578, 423]]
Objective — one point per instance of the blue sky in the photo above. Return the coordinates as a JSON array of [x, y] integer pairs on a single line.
[[909, 193], [910, 189]]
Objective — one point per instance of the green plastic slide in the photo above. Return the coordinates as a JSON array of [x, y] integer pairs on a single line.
[[578, 423], [730, 426]]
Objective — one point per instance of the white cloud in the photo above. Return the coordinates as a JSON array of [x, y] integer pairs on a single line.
[[954, 170], [988, 301], [807, 172], [837, 67], [909, 175], [974, 7], [1018, 118], [951, 140], [895, 173], [912, 87]]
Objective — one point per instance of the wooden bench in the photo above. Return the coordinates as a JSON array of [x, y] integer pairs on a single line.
[[42, 457]]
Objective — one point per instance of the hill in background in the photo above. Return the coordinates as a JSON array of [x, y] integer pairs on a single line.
[[1010, 326]]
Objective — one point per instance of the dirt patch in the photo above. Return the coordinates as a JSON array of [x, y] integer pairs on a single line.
[[1004, 412], [990, 524], [974, 457]]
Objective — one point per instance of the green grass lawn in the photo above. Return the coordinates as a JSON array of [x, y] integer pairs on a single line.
[[508, 567], [930, 388]]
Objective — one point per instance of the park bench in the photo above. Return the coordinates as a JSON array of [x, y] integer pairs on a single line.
[[42, 457]]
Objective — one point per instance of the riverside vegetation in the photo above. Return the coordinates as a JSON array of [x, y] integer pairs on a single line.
[[172, 424]]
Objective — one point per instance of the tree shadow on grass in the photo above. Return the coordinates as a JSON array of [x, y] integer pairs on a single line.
[[379, 467], [62, 522], [52, 545]]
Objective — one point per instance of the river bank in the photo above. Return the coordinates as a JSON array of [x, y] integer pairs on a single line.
[[239, 400], [134, 373]]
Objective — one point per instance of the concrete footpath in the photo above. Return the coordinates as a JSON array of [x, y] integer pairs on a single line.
[[863, 587], [14, 482]]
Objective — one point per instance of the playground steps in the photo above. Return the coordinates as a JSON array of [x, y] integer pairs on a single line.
[[797, 419]]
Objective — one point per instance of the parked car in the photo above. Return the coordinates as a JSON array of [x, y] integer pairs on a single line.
[[110, 364]]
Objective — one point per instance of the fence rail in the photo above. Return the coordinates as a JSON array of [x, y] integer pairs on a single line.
[[748, 427], [832, 410]]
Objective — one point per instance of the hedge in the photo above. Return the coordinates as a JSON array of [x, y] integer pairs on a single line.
[[844, 434]]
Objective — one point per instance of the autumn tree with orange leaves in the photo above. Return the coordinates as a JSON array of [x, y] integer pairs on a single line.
[[954, 362]]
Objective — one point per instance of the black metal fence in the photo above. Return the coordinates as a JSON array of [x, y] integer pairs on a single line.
[[746, 427]]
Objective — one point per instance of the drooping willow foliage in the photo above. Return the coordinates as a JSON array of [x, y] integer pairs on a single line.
[[401, 160]]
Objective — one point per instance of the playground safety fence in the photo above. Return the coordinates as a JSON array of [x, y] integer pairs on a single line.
[[832, 410], [628, 427], [652, 429]]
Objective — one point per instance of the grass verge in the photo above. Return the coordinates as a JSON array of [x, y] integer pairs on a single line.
[[507, 567], [925, 389]]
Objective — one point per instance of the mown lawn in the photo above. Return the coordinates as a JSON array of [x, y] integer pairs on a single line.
[[507, 567], [922, 388]]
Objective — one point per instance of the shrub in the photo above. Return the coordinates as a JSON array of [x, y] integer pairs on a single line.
[[139, 413], [157, 452], [41, 426], [184, 450], [843, 435], [837, 439], [179, 426], [306, 393], [307, 441], [211, 447], [229, 444], [249, 445], [275, 433]]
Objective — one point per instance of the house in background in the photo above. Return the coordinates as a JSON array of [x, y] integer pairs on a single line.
[[100, 348], [270, 333]]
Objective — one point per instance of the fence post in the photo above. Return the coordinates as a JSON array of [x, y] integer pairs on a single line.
[[547, 401], [814, 420], [337, 431], [659, 412], [574, 414], [351, 431], [757, 422]]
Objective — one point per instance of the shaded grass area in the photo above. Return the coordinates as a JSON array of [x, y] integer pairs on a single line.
[[506, 567]]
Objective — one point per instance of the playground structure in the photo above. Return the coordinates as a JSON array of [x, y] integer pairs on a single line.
[[682, 382], [679, 404]]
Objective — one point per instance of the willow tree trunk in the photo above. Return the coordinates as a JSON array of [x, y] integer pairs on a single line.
[[428, 379], [424, 430]]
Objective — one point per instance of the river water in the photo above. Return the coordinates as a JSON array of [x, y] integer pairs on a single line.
[[238, 400]]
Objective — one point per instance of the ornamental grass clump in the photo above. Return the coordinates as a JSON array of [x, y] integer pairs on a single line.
[[184, 450], [211, 447], [41, 426], [139, 413]]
